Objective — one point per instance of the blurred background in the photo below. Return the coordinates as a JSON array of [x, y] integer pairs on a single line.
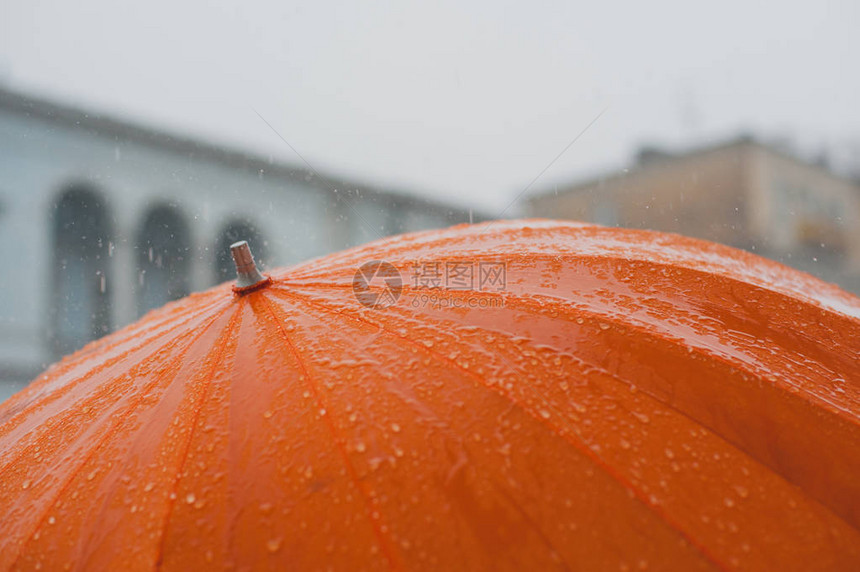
[[138, 140]]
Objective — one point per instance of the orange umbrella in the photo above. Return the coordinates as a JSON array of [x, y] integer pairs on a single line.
[[523, 395]]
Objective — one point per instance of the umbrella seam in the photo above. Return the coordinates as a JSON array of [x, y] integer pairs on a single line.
[[807, 399], [683, 244], [736, 366], [581, 447], [65, 388], [90, 455], [722, 272], [147, 323], [338, 440], [540, 533], [47, 426], [566, 305], [204, 392]]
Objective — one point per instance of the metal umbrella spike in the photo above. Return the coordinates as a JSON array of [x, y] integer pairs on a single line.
[[248, 277]]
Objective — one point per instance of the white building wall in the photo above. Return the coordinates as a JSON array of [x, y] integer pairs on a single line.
[[40, 158]]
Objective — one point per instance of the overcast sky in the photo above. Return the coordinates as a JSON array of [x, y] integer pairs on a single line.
[[467, 101]]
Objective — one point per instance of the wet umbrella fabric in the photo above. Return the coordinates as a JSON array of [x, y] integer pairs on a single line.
[[597, 398]]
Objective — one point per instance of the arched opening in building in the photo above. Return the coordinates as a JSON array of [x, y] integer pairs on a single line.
[[80, 309], [232, 232], [163, 258]]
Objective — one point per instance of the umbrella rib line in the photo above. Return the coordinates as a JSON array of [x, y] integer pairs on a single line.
[[192, 342], [142, 327], [736, 366], [685, 248], [732, 365], [565, 434], [204, 393], [93, 451], [59, 417], [531, 521], [540, 533], [576, 257], [594, 314], [563, 306], [339, 441], [69, 362], [63, 390], [685, 265], [643, 239]]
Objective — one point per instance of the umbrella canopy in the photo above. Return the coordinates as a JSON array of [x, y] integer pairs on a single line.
[[525, 395]]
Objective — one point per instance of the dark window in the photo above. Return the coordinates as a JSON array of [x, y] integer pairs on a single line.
[[82, 249], [163, 258]]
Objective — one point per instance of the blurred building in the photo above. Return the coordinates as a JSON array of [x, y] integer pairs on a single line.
[[742, 193], [102, 220]]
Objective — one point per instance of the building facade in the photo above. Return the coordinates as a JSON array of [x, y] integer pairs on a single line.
[[741, 193], [102, 220]]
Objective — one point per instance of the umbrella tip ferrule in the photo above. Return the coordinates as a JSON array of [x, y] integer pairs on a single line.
[[248, 277]]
